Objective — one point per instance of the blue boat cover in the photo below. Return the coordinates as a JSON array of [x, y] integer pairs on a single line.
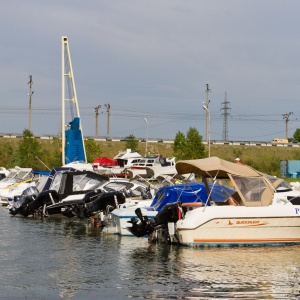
[[191, 192]]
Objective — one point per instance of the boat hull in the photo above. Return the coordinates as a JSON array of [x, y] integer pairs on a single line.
[[121, 219], [240, 226]]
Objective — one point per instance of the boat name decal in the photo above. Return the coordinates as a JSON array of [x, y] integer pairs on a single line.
[[297, 210], [248, 222]]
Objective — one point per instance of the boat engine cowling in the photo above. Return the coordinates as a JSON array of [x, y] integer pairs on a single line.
[[142, 225], [27, 196], [104, 202]]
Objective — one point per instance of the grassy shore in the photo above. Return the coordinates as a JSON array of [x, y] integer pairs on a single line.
[[262, 158]]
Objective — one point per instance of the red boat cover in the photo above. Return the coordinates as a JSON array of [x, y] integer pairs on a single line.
[[105, 161]]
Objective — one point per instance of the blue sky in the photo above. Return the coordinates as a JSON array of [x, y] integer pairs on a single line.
[[153, 59]]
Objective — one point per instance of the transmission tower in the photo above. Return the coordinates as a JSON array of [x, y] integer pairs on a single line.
[[225, 114]]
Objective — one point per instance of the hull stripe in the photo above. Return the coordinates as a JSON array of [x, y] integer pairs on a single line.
[[276, 240]]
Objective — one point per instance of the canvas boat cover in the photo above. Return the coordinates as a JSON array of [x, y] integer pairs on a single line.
[[105, 161], [214, 166], [187, 193], [253, 187]]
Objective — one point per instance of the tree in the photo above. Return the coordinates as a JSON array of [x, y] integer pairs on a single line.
[[179, 145], [27, 152], [131, 143], [92, 150], [52, 156], [189, 146], [296, 135]]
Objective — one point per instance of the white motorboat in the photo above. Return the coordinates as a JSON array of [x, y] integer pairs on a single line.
[[124, 160], [16, 175], [193, 192], [125, 212], [264, 210], [152, 167], [8, 193], [81, 194]]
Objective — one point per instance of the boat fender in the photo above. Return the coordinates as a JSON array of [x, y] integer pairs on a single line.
[[192, 204], [179, 211], [231, 201]]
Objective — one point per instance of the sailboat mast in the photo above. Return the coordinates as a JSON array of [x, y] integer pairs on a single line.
[[63, 133], [67, 73]]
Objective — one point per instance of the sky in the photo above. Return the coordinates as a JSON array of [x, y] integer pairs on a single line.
[[153, 59]]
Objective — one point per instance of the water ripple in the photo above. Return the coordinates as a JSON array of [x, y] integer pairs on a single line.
[[58, 258]]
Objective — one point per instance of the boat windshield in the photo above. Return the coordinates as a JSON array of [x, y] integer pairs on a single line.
[[23, 175], [10, 175], [250, 187], [84, 182], [146, 162], [55, 184], [283, 187]]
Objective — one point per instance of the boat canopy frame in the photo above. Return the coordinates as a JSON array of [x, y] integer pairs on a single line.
[[253, 187]]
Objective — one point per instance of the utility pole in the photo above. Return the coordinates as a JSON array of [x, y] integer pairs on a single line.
[[146, 136], [30, 100], [208, 141], [108, 116], [97, 114], [287, 117], [225, 108], [207, 112]]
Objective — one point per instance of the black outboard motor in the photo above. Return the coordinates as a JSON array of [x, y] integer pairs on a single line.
[[71, 211], [44, 198], [33, 201], [146, 194], [105, 201], [27, 196], [145, 226]]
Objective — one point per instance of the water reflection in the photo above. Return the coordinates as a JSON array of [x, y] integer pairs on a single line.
[[252, 273], [69, 259]]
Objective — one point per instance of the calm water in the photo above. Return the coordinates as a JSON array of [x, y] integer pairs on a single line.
[[67, 259]]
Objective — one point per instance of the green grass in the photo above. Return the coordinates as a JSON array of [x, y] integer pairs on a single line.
[[262, 158]]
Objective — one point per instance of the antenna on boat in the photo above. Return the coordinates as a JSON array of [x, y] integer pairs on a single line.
[[75, 146]]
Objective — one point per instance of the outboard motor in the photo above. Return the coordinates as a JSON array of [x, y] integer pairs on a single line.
[[33, 201], [104, 202], [145, 226], [72, 211], [27, 196], [147, 194]]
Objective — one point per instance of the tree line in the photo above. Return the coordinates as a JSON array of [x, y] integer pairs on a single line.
[[46, 154], [32, 153]]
